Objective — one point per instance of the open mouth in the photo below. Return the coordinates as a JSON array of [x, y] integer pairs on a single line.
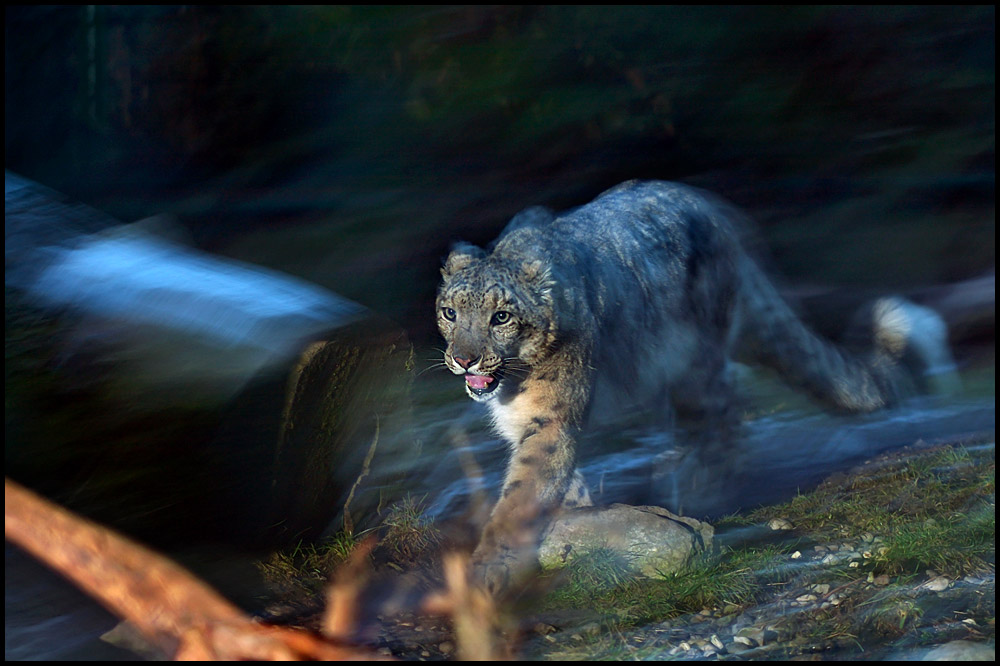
[[481, 384]]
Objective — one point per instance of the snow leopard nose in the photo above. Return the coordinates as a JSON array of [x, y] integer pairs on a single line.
[[465, 362]]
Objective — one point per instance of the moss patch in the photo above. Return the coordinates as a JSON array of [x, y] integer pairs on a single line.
[[897, 555]]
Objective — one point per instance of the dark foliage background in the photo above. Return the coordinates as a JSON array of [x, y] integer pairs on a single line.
[[352, 145]]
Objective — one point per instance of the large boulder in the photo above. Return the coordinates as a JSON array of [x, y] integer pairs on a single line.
[[653, 540], [177, 395]]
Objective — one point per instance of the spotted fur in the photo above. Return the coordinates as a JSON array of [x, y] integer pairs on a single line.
[[639, 298]]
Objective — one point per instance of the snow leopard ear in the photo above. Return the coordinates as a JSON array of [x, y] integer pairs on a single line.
[[537, 272], [462, 254], [534, 269]]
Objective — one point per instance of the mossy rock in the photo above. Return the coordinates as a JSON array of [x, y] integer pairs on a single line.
[[342, 448], [652, 540]]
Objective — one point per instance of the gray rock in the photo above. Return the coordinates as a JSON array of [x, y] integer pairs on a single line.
[[125, 636], [758, 635], [936, 584], [651, 539], [779, 524], [962, 651]]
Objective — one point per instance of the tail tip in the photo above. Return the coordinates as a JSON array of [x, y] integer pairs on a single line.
[[902, 328]]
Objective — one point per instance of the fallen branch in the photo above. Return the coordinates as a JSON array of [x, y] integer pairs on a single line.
[[472, 610], [344, 592], [178, 613]]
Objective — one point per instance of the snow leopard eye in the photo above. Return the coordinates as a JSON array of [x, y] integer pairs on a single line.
[[448, 313], [500, 318]]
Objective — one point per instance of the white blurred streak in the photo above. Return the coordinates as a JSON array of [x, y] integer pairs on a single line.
[[175, 318], [134, 277]]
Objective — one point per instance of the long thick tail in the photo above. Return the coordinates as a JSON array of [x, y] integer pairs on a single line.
[[904, 338]]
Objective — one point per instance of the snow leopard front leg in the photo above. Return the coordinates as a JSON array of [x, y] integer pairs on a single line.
[[541, 421]]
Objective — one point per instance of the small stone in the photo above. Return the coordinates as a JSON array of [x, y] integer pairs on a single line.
[[796, 555], [742, 621], [737, 648], [820, 549], [425, 653], [867, 537], [126, 636], [543, 629], [853, 565], [446, 647], [938, 584], [717, 642], [754, 634], [830, 559], [725, 622], [821, 588], [384, 651], [881, 581], [684, 645], [779, 524], [806, 598], [744, 640]]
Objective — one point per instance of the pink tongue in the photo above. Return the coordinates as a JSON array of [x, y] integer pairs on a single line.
[[478, 382]]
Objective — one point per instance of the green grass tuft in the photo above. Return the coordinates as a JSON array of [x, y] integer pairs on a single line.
[[307, 567], [407, 534], [601, 579]]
